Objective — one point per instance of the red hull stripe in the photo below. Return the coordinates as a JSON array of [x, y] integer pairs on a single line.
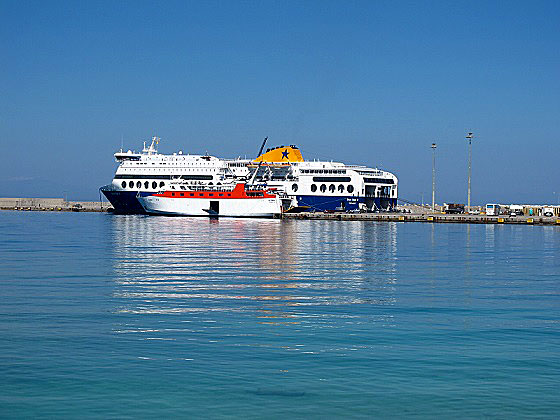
[[238, 192]]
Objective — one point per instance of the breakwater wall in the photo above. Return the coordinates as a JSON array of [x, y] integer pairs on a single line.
[[51, 204]]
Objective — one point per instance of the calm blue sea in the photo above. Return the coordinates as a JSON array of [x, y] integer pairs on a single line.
[[105, 316]]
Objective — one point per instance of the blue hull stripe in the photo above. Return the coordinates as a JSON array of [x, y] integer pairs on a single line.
[[124, 201], [322, 203]]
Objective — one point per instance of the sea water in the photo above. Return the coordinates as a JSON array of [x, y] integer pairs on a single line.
[[107, 316]]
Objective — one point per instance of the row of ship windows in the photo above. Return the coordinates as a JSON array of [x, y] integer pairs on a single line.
[[165, 163], [323, 171], [249, 194], [178, 169], [139, 184], [199, 194], [323, 188], [371, 173]]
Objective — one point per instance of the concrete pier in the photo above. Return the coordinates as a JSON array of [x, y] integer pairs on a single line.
[[58, 204], [428, 218]]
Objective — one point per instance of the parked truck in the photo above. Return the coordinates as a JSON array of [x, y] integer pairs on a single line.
[[515, 210], [493, 209], [452, 208], [548, 211]]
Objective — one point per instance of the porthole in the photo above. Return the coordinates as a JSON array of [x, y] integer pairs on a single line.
[[332, 188], [146, 184], [154, 185], [294, 187], [131, 184], [350, 189], [323, 188], [123, 184], [341, 188], [138, 184], [313, 187], [161, 184]]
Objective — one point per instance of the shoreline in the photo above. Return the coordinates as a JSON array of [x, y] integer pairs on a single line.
[[97, 207]]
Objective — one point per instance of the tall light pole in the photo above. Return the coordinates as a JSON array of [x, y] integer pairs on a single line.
[[433, 176], [469, 137]]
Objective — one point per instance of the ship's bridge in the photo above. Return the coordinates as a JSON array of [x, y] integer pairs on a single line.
[[130, 155]]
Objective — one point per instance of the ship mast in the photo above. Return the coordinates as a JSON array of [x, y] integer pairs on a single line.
[[260, 163], [152, 150]]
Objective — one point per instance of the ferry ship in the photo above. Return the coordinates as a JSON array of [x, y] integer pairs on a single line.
[[309, 185], [325, 185], [235, 199], [151, 171]]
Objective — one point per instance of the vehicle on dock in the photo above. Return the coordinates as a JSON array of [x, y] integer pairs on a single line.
[[492, 209], [548, 211], [453, 208], [515, 210]]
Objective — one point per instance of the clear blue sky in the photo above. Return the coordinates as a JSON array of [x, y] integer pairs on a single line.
[[369, 82]]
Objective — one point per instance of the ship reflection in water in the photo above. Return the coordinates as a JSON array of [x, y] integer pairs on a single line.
[[241, 273]]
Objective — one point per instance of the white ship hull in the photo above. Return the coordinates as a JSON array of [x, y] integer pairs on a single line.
[[231, 207]]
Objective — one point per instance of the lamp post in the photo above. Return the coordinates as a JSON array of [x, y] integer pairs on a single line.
[[433, 176], [469, 137]]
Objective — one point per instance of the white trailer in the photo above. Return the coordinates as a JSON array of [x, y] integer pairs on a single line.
[[492, 209]]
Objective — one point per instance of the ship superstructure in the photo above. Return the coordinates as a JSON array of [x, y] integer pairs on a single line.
[[326, 185], [151, 171], [308, 185]]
